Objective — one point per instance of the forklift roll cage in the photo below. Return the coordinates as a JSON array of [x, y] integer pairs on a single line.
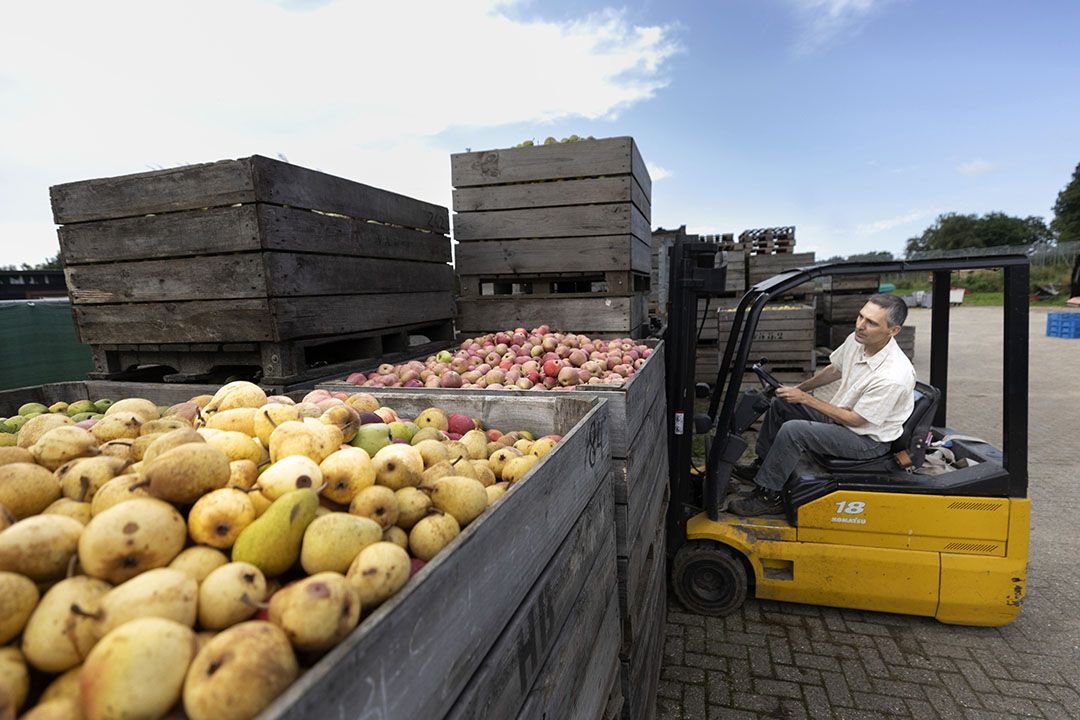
[[694, 276]]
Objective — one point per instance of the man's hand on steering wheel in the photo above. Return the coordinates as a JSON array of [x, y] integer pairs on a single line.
[[793, 395]]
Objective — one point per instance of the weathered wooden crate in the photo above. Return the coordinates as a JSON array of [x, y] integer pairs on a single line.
[[836, 334], [841, 284], [159, 393], [842, 309], [597, 314], [763, 267], [249, 257], [641, 669], [784, 334]]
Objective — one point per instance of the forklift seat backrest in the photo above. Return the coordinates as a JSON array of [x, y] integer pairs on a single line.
[[913, 440]]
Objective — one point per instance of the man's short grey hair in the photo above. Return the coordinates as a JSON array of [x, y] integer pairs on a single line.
[[895, 308]]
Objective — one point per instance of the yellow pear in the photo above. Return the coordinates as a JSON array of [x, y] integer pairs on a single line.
[[243, 474], [40, 547], [456, 451], [436, 471], [79, 511], [398, 465], [499, 458], [37, 426], [462, 497], [141, 443], [311, 439], [333, 541], [524, 445], [346, 472], [18, 597], [14, 455], [137, 670], [239, 672], [465, 468], [379, 571], [432, 452], [81, 479], [396, 535], [64, 687], [518, 468], [476, 442], [61, 444], [293, 472], [163, 425], [427, 433], [241, 419], [260, 501], [199, 561], [118, 426], [344, 418], [58, 709], [237, 394], [543, 446], [26, 489], [236, 446], [130, 538], [120, 489], [483, 472], [118, 449], [186, 473], [496, 491], [378, 503], [230, 594], [433, 533], [14, 681], [317, 612], [413, 504], [61, 629], [268, 417], [139, 406], [217, 518], [170, 440], [432, 417], [161, 592]]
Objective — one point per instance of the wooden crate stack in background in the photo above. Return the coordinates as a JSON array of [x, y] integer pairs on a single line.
[[839, 303], [250, 267], [660, 278], [556, 234]]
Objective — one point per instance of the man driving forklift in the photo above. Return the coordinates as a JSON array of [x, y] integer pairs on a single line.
[[873, 401]]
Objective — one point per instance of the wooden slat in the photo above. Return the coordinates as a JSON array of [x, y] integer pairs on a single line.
[[569, 221], [248, 180], [849, 283], [641, 669], [217, 277], [645, 559], [194, 321], [589, 191], [591, 158], [552, 255], [640, 468], [415, 654], [641, 173], [598, 315], [502, 682], [338, 314], [300, 274]]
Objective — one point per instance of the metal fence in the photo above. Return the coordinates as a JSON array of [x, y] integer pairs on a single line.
[[1060, 254]]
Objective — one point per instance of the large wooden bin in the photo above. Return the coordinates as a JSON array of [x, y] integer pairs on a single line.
[[637, 426], [556, 231], [250, 262]]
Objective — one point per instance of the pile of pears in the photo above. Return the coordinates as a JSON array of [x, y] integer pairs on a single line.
[[79, 412], [193, 561]]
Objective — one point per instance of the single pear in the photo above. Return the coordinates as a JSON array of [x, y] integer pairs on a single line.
[[396, 535], [236, 446], [476, 442], [137, 670], [317, 612], [436, 471], [260, 501], [243, 474], [465, 468], [230, 594], [163, 425], [70, 508], [398, 466], [120, 489], [456, 451], [170, 440], [333, 541], [433, 533], [40, 547], [18, 597], [64, 687], [235, 420], [344, 418], [60, 632], [268, 417], [26, 488], [130, 538], [293, 472], [413, 504], [432, 417], [518, 468], [379, 571], [499, 458], [272, 542], [118, 449], [346, 472], [143, 408], [61, 444], [239, 672], [427, 433], [14, 681], [198, 561], [186, 473], [312, 439], [14, 455], [523, 445], [378, 503], [81, 479], [483, 472], [372, 437], [38, 425], [237, 394], [161, 592], [119, 426], [432, 452], [217, 518], [496, 491], [464, 498], [543, 446]]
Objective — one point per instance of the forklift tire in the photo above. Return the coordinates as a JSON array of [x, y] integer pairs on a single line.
[[709, 578]]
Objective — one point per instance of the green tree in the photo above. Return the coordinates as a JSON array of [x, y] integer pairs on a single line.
[[952, 231], [1066, 223], [53, 263]]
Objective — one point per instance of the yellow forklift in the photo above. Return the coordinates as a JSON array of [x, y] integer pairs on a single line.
[[873, 534]]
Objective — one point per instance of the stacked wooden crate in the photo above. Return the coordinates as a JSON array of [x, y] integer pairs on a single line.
[[660, 274], [839, 303], [250, 267], [554, 233]]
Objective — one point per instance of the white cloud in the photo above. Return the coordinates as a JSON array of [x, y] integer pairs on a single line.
[[369, 91], [976, 167], [880, 226], [826, 20], [657, 173]]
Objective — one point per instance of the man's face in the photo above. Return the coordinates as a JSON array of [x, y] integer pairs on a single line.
[[872, 326]]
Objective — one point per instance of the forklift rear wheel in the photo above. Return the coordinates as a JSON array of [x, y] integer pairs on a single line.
[[709, 579]]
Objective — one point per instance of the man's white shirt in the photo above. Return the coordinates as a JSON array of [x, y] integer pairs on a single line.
[[880, 388]]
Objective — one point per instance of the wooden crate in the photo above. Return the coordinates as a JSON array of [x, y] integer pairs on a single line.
[[763, 267], [784, 334], [842, 284], [248, 252], [641, 669], [836, 335], [842, 309], [734, 260], [591, 314]]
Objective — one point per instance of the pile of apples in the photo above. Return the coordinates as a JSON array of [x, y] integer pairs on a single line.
[[518, 360], [193, 560]]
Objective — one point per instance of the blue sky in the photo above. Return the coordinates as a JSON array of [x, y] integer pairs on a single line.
[[857, 121]]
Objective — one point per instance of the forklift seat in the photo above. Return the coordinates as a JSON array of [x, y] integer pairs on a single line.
[[908, 450]]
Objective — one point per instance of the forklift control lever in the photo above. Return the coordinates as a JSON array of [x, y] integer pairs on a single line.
[[769, 382]]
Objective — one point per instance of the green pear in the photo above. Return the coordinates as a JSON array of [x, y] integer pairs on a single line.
[[31, 408], [230, 594], [61, 630], [137, 670], [379, 571], [272, 542], [58, 407], [102, 405], [161, 592], [372, 438], [130, 538], [186, 473], [18, 597], [463, 497], [317, 612], [40, 547], [333, 541], [403, 430], [80, 406]]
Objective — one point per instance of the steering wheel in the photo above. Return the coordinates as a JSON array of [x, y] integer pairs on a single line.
[[768, 382]]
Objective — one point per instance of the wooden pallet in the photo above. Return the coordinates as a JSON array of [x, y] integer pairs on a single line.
[[248, 251], [769, 241]]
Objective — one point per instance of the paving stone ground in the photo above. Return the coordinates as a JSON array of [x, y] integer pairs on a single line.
[[782, 660]]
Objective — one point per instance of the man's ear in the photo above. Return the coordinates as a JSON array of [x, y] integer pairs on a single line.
[[895, 330]]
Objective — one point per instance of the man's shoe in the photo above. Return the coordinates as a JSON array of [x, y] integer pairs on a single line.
[[758, 503], [747, 472]]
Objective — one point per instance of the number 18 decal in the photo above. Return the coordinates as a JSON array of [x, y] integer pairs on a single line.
[[852, 507]]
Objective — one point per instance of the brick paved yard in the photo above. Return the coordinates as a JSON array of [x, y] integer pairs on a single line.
[[779, 660]]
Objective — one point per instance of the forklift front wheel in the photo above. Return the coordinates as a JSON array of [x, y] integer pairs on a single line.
[[709, 579]]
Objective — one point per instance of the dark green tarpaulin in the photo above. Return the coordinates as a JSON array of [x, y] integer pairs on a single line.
[[38, 344]]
